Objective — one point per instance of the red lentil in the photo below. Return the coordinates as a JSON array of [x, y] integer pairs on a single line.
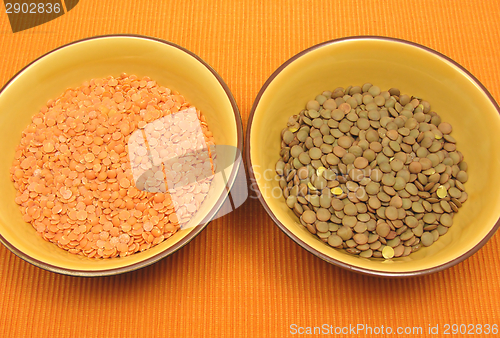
[[73, 176]]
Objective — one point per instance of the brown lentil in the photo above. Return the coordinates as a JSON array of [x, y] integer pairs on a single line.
[[395, 178]]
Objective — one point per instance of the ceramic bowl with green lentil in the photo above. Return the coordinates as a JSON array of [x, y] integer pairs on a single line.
[[374, 172]]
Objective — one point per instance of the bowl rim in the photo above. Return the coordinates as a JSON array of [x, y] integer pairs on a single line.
[[198, 228], [304, 245]]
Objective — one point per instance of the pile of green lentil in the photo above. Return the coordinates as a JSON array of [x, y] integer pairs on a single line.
[[376, 173]]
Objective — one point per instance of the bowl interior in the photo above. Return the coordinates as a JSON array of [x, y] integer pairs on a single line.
[[70, 66], [453, 94]]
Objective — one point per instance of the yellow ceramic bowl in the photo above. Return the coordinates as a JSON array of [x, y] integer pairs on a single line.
[[453, 92], [71, 65]]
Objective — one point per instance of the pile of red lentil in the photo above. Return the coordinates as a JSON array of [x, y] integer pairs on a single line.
[[73, 175]]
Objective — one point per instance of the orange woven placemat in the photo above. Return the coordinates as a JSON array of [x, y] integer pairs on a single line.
[[242, 277]]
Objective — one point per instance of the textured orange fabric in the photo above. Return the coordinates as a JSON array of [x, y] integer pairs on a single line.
[[242, 277]]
